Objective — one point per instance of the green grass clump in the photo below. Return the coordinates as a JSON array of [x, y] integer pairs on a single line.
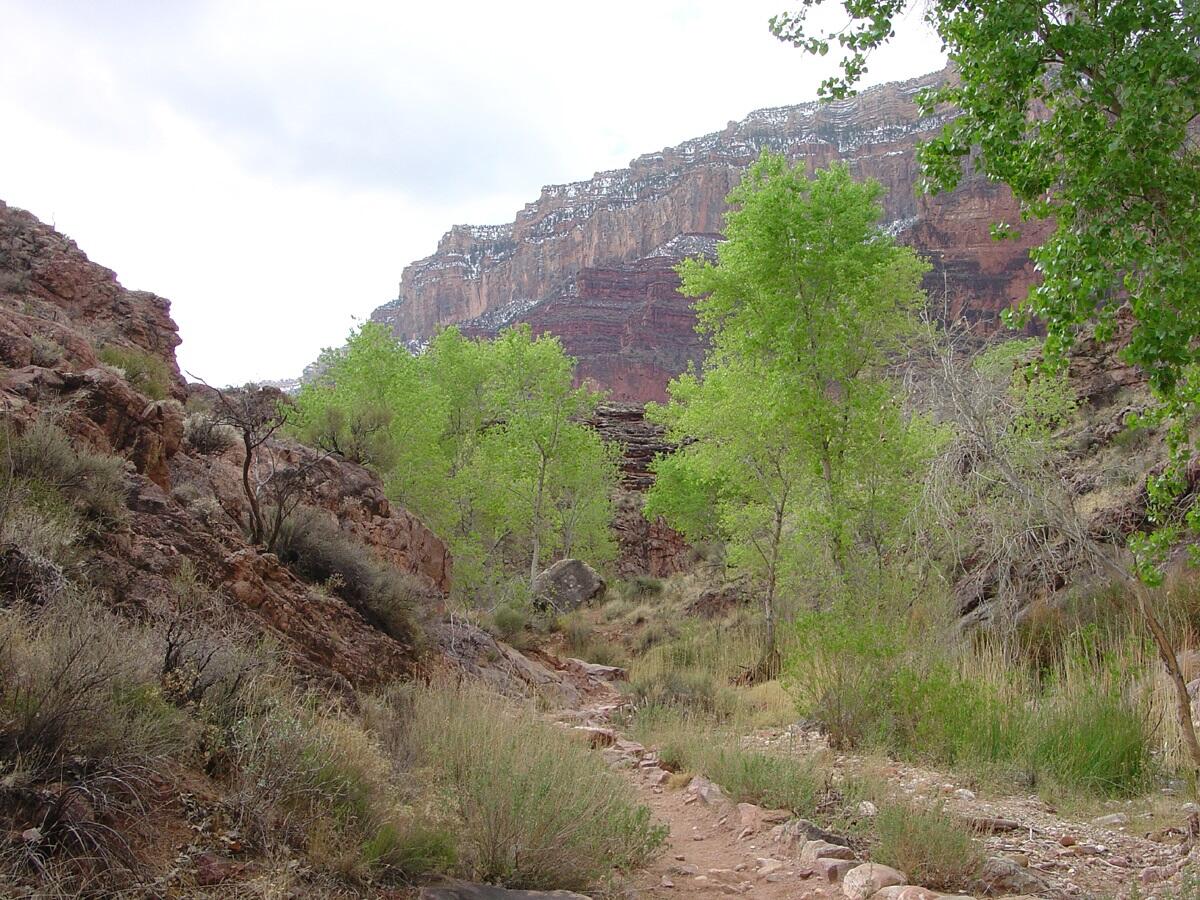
[[928, 844], [148, 373], [509, 622]]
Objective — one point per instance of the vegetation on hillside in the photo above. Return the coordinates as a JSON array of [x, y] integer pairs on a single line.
[[482, 439]]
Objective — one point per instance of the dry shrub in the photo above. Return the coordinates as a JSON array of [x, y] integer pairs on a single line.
[[928, 844], [44, 465], [206, 434], [313, 778], [536, 809], [312, 545], [77, 680]]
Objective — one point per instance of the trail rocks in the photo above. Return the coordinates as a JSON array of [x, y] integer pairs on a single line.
[[461, 890], [1001, 875], [706, 792], [567, 585], [865, 880], [818, 849]]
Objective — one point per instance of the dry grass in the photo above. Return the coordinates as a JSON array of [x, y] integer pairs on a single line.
[[535, 808]]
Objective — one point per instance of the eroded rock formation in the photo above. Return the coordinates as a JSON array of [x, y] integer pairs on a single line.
[[592, 261], [57, 309]]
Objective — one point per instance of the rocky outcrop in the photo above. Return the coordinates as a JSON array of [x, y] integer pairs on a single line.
[[53, 299], [184, 509], [646, 547], [587, 261]]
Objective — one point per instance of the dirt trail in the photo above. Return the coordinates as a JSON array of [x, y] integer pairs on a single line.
[[710, 853]]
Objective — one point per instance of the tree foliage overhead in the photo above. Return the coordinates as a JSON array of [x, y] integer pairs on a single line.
[[482, 440], [1088, 111]]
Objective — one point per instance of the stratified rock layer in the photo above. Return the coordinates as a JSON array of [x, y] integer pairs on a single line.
[[592, 261]]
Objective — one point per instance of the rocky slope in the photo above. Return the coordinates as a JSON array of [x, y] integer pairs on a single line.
[[592, 260], [58, 312]]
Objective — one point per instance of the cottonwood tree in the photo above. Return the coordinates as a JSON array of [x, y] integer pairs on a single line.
[[539, 432], [1088, 111], [481, 439], [807, 299]]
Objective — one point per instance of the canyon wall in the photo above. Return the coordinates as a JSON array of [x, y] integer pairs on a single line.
[[592, 261]]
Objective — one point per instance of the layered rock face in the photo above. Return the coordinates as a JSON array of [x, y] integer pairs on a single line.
[[647, 548], [592, 261]]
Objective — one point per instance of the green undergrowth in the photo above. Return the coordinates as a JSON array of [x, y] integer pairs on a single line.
[[148, 373], [1088, 721]]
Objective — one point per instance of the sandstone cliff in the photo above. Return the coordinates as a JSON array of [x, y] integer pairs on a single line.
[[592, 261]]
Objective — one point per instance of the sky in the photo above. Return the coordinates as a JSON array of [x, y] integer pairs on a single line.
[[271, 166]]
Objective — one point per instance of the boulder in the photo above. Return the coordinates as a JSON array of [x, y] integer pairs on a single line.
[[819, 849], [832, 870], [863, 882], [1001, 875], [567, 585]]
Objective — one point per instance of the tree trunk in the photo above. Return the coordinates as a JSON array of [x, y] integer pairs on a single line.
[[1183, 703], [256, 523], [536, 527], [768, 665]]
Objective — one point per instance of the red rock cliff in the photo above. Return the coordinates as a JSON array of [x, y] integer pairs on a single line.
[[585, 261]]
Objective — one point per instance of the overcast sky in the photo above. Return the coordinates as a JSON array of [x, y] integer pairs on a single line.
[[271, 167]]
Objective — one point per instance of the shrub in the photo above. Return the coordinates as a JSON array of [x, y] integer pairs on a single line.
[[13, 281], [312, 545], [577, 631], [312, 780], [207, 435], [510, 622], [647, 585], [44, 457], [927, 844], [75, 679], [46, 352], [687, 690], [536, 808], [148, 373]]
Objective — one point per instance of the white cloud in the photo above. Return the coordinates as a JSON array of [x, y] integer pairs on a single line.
[[272, 166]]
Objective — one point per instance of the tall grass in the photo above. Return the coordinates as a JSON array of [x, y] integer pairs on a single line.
[[1085, 718], [535, 808]]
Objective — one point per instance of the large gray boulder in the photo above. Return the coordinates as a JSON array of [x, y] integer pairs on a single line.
[[567, 585]]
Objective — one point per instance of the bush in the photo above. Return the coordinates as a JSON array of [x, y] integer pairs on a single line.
[[51, 467], [694, 691], [310, 779], [147, 373], [77, 680], [928, 845], [206, 434], [510, 622], [313, 546], [46, 352], [536, 808]]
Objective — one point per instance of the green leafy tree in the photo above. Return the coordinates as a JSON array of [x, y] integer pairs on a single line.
[[1088, 111], [481, 439], [540, 434], [797, 430]]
